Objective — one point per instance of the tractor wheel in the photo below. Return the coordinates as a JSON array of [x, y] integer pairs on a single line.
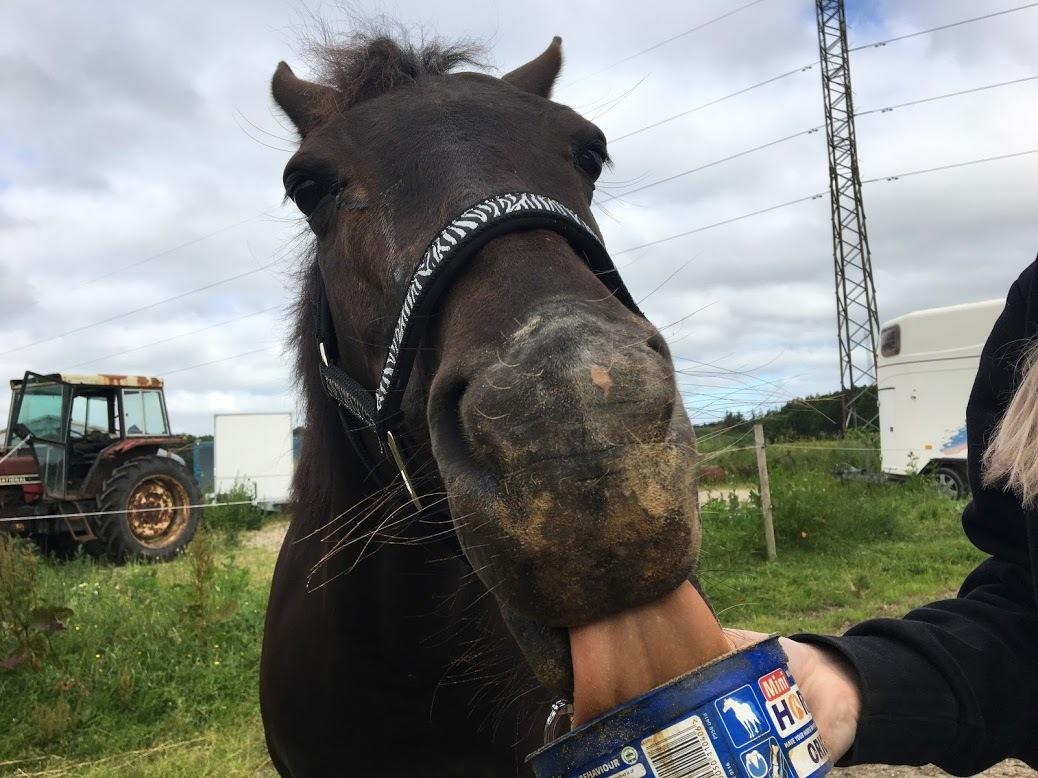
[[151, 519]]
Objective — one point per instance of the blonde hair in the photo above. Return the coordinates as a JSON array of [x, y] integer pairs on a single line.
[[1012, 455]]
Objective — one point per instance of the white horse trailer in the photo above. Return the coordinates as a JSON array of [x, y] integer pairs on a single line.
[[926, 367], [255, 450]]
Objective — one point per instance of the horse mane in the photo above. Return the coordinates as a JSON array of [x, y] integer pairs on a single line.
[[378, 59], [324, 455]]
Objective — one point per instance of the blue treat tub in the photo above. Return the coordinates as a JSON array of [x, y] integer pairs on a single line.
[[741, 716]]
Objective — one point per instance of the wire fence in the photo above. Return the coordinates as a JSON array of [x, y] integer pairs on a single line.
[[84, 514]]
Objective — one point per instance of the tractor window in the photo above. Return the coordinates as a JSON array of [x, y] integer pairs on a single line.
[[144, 412], [42, 409], [89, 416]]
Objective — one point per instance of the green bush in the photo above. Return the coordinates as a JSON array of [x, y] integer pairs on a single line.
[[228, 518]]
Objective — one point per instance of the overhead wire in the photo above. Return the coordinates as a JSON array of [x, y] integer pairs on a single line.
[[812, 130], [171, 250], [143, 346], [142, 308], [262, 349], [819, 195], [665, 41], [757, 85], [810, 65], [917, 33]]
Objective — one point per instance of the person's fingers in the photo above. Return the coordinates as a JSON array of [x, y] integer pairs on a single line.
[[740, 638]]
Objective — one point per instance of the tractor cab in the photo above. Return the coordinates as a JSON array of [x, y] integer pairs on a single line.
[[72, 421], [98, 448]]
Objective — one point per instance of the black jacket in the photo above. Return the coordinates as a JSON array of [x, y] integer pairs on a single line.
[[956, 682]]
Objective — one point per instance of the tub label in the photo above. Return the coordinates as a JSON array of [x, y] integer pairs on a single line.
[[785, 704], [810, 756], [759, 727], [683, 750]]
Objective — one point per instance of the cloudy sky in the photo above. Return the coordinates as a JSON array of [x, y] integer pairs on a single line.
[[142, 231]]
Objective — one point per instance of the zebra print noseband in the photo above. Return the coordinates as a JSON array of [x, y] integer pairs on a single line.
[[446, 255]]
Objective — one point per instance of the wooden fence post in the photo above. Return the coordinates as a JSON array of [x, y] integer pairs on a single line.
[[765, 492]]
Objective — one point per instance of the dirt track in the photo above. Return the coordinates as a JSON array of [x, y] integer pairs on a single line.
[[1010, 769]]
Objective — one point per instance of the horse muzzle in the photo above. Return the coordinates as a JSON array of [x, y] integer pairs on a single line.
[[571, 481]]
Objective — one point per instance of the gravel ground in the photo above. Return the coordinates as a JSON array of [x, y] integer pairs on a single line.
[[1010, 769]]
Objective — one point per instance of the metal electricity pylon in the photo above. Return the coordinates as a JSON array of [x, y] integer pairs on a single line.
[[856, 316]]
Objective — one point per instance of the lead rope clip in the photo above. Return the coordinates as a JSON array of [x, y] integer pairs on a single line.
[[560, 709]]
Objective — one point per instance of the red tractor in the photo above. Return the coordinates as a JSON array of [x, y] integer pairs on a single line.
[[90, 459]]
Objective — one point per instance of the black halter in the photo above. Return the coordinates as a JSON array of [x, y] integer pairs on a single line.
[[368, 418]]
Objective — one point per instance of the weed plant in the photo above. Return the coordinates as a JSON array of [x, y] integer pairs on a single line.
[[145, 653]]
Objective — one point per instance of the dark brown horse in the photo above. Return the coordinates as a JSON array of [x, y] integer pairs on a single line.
[[542, 424]]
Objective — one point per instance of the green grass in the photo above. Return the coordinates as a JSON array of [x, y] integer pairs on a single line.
[[734, 451], [155, 673], [846, 551], [159, 659]]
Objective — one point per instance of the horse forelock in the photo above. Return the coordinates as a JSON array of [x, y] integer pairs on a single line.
[[377, 57]]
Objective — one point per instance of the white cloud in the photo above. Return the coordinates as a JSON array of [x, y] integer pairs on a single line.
[[130, 132]]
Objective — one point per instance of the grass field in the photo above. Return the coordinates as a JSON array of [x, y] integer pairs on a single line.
[[154, 673]]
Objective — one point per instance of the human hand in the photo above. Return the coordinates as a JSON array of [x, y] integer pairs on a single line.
[[828, 683]]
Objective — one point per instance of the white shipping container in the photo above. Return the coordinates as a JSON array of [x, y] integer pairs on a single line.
[[925, 371], [255, 449]]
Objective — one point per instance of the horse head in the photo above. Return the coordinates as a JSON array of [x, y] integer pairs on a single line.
[[541, 410]]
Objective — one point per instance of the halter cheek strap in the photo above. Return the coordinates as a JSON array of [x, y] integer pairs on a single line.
[[369, 417]]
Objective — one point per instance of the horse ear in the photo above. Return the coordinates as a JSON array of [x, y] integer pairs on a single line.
[[539, 74], [307, 104]]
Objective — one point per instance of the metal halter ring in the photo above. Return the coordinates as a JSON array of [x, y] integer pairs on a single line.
[[559, 709]]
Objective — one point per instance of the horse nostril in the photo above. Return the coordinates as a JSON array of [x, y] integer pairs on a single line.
[[658, 344], [452, 402], [446, 422]]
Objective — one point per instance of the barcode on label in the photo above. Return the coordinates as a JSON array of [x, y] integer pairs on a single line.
[[683, 750]]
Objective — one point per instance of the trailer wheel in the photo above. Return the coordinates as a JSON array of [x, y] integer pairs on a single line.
[[951, 480], [152, 518]]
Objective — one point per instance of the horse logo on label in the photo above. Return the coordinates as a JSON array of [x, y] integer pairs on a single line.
[[742, 716], [765, 761]]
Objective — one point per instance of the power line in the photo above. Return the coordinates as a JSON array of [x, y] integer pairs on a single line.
[[665, 41], [951, 166], [934, 98], [716, 162], [149, 306], [721, 223], [817, 195], [777, 141], [176, 337], [948, 26], [217, 361], [715, 101], [171, 250], [810, 65]]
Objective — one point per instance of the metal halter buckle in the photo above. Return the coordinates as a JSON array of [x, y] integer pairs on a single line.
[[399, 459], [559, 709]]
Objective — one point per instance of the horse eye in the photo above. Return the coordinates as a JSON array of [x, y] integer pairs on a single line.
[[591, 160], [307, 195]]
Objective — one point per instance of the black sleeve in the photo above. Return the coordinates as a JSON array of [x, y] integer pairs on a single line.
[[956, 682]]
